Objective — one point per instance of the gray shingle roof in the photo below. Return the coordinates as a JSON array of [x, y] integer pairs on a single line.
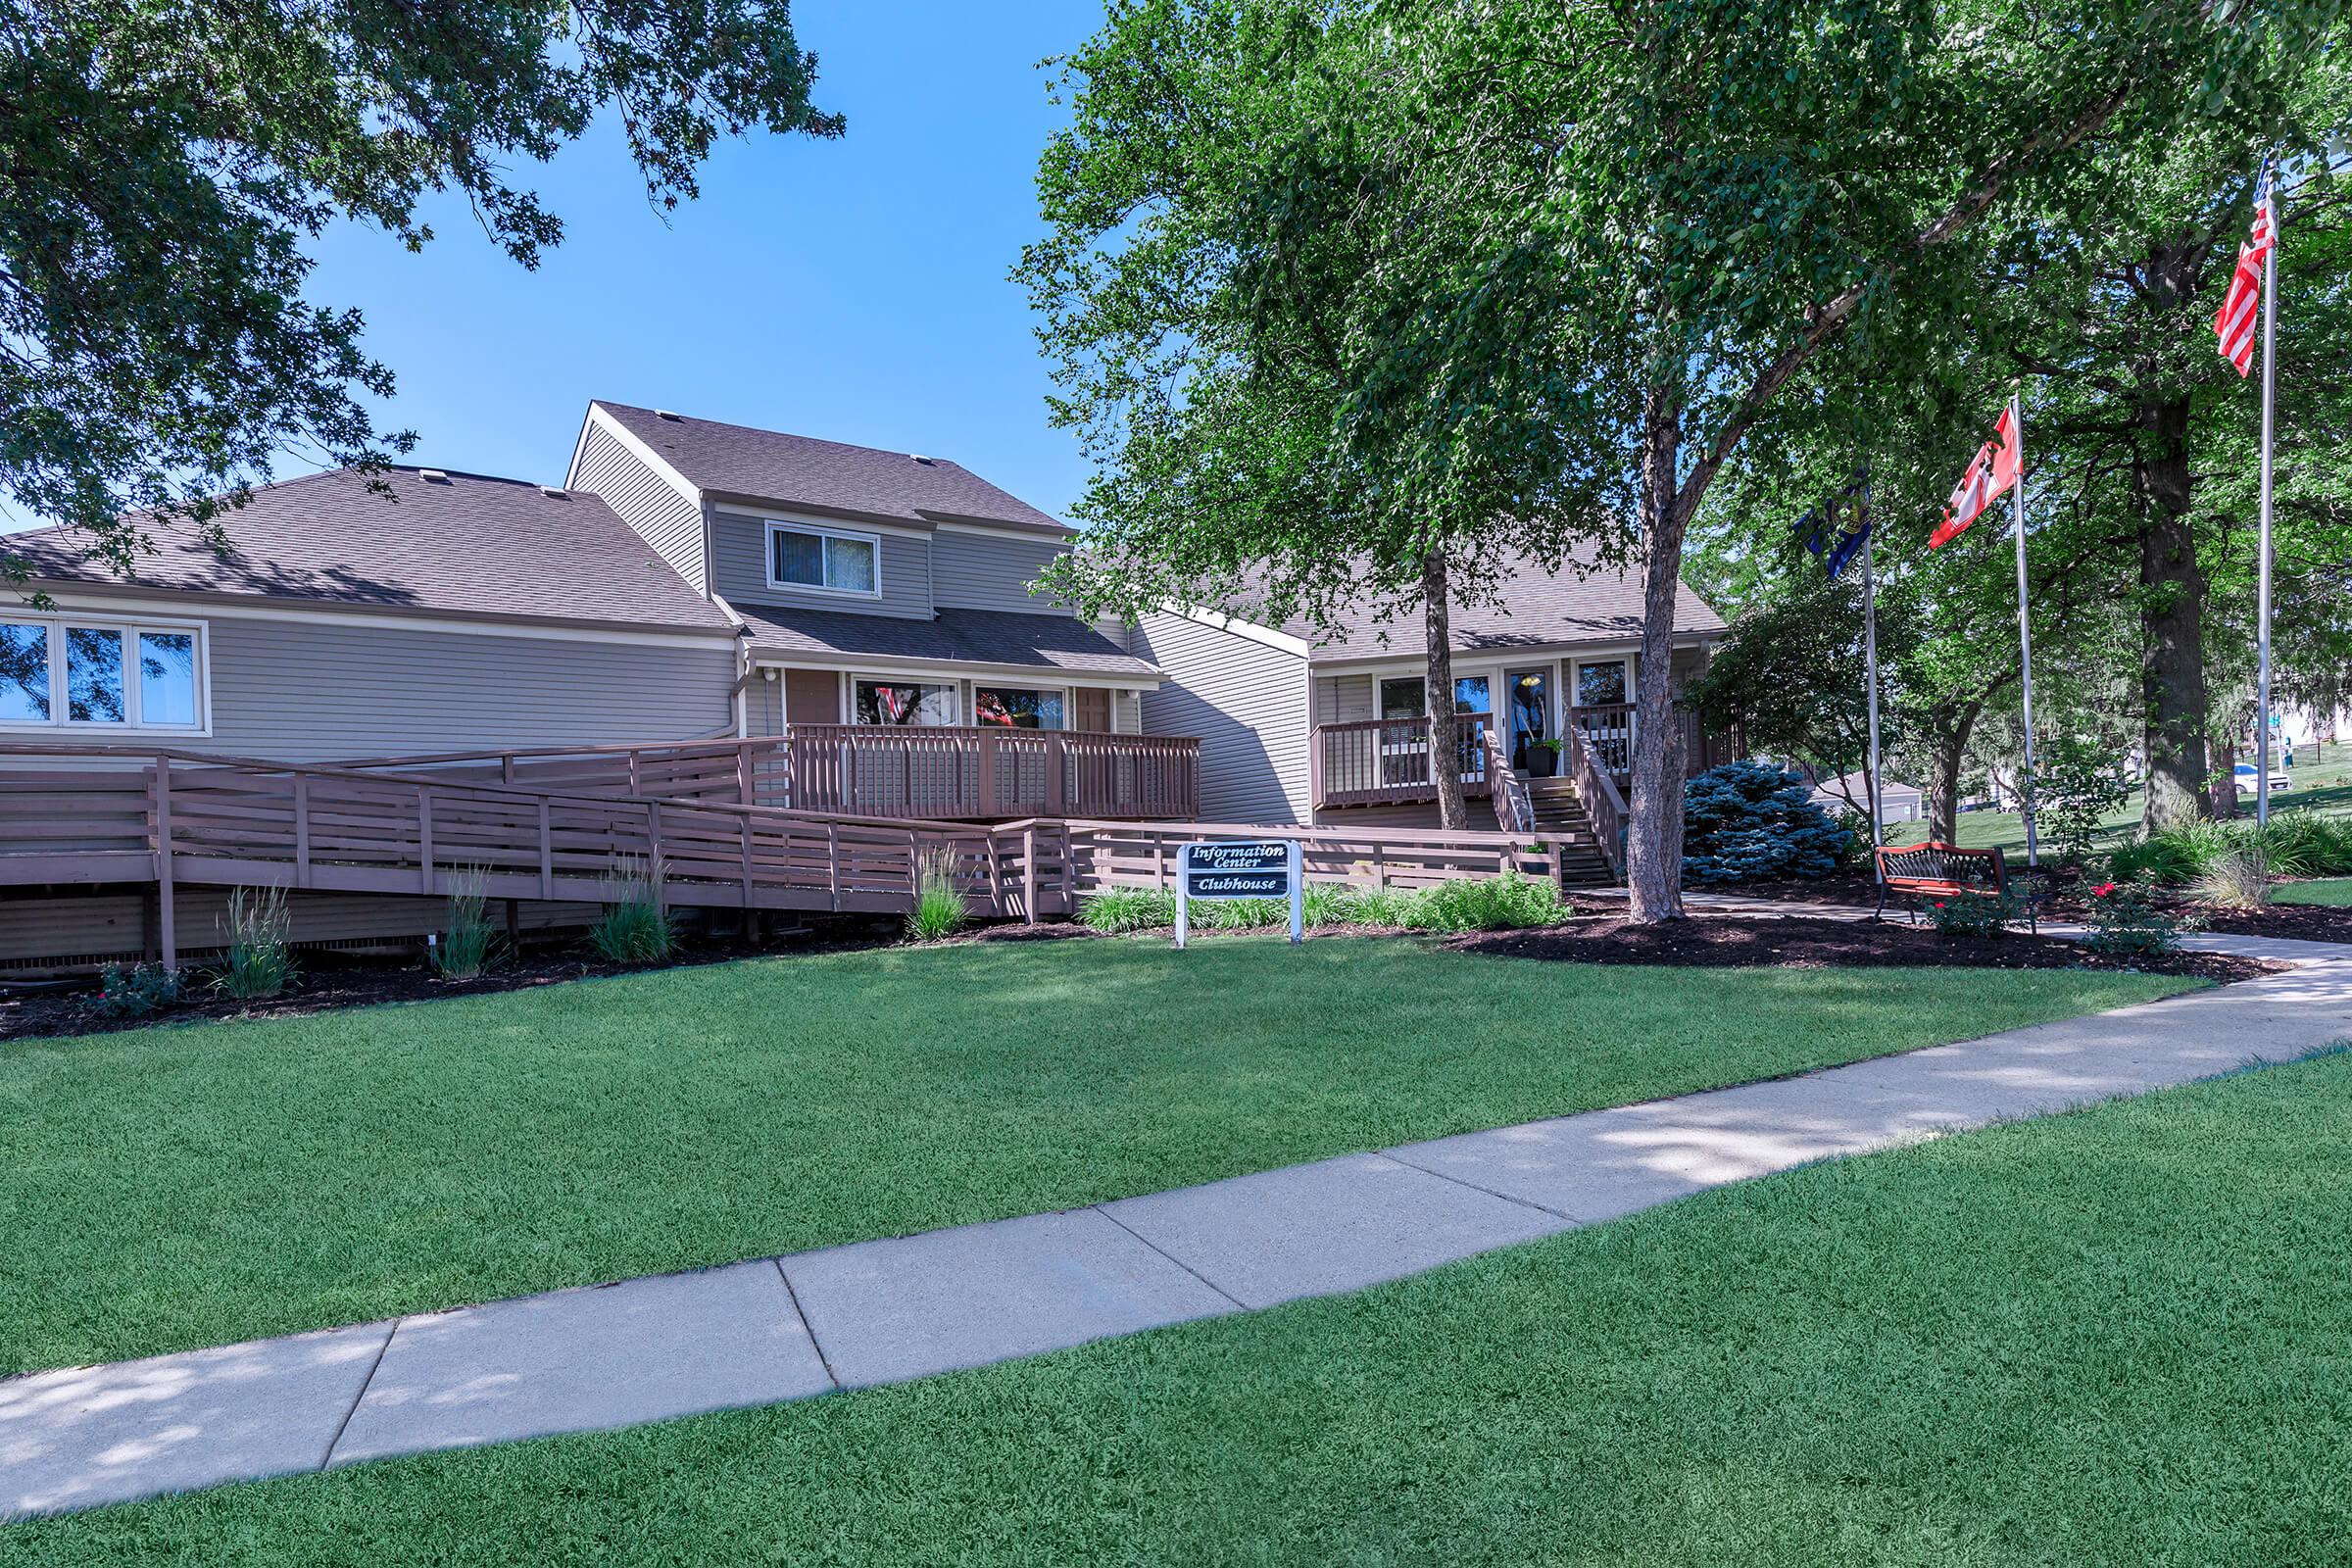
[[1582, 603], [473, 545], [1000, 637], [737, 462]]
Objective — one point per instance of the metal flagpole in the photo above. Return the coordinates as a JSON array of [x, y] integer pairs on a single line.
[[1870, 668], [2025, 626], [2262, 614]]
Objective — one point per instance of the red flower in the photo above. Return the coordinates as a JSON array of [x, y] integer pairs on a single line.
[[2102, 889]]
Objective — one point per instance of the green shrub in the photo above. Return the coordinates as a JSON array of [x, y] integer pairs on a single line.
[[2296, 844], [1749, 822], [1974, 914], [1507, 902], [1242, 915], [2125, 923], [260, 961], [2074, 790], [939, 907], [461, 948], [1121, 910], [137, 991], [634, 927]]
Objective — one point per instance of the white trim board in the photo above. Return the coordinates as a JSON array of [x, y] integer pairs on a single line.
[[1247, 629], [1029, 674]]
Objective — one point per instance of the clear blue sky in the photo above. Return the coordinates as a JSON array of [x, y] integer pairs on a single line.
[[852, 289]]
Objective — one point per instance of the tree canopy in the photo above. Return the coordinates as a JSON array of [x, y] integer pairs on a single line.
[[163, 162]]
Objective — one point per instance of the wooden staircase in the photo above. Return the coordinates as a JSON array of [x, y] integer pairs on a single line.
[[1559, 815]]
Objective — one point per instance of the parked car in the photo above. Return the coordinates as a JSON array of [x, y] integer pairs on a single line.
[[2246, 775]]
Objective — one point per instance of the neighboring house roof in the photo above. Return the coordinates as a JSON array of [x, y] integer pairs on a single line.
[[1001, 637], [1582, 603], [468, 546], [734, 460]]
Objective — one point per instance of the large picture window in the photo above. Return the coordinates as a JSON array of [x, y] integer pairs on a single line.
[[1600, 685], [85, 673], [827, 560], [904, 701], [1017, 708]]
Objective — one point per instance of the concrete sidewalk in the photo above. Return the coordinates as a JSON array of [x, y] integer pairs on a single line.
[[881, 1311]]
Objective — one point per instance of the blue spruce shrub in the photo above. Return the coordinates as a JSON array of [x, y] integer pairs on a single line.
[[1753, 821]]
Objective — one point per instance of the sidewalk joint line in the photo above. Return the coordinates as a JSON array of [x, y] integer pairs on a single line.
[[806, 1327], [1170, 1256], [1523, 1203], [365, 1384]]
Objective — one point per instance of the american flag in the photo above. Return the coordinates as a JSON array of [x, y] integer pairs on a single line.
[[2241, 311]]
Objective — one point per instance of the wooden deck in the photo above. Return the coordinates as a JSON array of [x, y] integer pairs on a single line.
[[559, 828]]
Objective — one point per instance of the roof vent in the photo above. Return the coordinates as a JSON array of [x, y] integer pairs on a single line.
[[555, 493], [664, 414], [433, 475], [919, 457]]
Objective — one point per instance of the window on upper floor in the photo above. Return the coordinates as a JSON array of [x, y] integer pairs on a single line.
[[1016, 708], [825, 560], [76, 672]]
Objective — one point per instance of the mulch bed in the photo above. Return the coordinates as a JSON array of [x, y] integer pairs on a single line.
[[1799, 941], [2300, 923]]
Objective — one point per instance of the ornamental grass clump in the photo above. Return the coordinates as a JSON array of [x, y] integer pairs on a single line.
[[2238, 880], [1511, 901], [939, 909], [261, 959], [634, 927], [461, 949], [1119, 910]]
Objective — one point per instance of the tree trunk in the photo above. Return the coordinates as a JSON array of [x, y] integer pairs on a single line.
[[1653, 844], [1444, 743], [2172, 626], [2221, 777], [1944, 789]]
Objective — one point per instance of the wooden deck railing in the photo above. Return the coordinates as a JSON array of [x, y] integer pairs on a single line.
[[1514, 811], [921, 772], [1598, 793], [1386, 762], [989, 770], [1608, 731], [169, 818]]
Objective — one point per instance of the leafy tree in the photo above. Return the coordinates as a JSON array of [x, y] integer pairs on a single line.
[[163, 162], [1261, 271]]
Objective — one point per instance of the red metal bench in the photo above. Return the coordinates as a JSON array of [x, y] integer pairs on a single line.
[[1938, 870]]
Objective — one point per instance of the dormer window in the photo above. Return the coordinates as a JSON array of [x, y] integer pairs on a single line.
[[827, 561]]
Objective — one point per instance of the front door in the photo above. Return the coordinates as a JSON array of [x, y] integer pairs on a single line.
[[1530, 722]]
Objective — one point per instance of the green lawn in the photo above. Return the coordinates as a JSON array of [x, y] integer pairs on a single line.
[[2332, 892], [193, 1186], [2110, 1338], [2322, 784]]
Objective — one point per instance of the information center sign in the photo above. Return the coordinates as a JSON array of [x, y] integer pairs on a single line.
[[1255, 868]]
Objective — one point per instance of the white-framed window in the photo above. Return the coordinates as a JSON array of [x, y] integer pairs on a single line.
[[825, 560], [882, 699], [1020, 706], [99, 674], [1603, 683]]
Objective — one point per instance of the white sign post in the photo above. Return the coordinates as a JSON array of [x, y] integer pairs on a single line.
[[1267, 868]]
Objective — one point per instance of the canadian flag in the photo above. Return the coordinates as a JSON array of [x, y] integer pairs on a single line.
[[1991, 475]]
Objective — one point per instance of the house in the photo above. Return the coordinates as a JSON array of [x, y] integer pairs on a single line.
[[1301, 723]]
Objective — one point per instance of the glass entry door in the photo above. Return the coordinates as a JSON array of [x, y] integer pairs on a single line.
[[1530, 722]]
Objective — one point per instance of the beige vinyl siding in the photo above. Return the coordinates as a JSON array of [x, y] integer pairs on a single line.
[[739, 565], [314, 690], [1344, 699], [667, 519], [764, 703], [1127, 713], [989, 571], [1246, 702]]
